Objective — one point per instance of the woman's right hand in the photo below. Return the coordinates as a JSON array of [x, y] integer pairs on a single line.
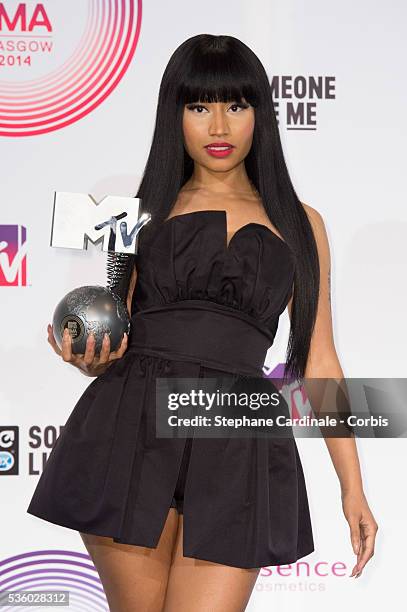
[[87, 362]]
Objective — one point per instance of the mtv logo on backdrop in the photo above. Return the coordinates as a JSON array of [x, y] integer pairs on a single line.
[[115, 221], [13, 256]]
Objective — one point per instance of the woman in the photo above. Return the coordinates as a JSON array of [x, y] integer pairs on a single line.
[[186, 524]]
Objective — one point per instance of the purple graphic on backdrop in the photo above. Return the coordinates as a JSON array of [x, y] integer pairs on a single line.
[[51, 570]]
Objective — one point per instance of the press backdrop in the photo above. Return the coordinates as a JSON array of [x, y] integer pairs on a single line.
[[78, 90]]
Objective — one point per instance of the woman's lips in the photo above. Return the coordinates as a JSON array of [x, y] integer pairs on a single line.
[[219, 151]]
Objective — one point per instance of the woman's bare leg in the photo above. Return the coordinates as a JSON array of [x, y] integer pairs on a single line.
[[203, 586], [134, 577]]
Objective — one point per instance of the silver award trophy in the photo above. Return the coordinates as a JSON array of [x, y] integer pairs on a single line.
[[77, 218]]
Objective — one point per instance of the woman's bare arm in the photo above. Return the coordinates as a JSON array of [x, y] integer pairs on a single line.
[[323, 362], [132, 286]]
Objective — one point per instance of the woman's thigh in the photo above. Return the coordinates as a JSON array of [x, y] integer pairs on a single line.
[[134, 577], [203, 586]]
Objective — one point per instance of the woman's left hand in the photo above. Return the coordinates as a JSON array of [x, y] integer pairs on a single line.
[[363, 528]]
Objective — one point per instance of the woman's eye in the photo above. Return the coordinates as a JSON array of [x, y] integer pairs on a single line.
[[194, 107], [239, 106]]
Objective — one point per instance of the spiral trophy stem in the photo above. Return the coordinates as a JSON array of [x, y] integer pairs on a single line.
[[119, 270], [120, 265]]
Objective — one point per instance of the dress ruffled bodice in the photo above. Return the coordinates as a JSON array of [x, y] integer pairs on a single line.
[[189, 259]]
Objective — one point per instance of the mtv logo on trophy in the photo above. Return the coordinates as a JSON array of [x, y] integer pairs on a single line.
[[115, 222]]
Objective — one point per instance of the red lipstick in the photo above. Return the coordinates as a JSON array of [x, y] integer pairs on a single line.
[[219, 149]]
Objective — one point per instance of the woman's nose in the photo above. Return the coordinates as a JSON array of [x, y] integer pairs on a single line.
[[219, 124]]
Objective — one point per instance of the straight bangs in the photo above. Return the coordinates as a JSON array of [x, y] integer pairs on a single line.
[[218, 75]]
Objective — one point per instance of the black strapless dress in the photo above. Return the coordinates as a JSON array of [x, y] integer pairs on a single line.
[[201, 308]]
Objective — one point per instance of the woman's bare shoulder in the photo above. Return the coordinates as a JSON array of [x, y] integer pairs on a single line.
[[317, 222], [313, 213]]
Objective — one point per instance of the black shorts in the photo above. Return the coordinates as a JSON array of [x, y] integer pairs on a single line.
[[178, 499]]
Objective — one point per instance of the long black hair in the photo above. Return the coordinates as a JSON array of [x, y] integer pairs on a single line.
[[210, 68]]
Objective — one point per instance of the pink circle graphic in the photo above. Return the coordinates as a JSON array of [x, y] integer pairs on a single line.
[[68, 93]]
